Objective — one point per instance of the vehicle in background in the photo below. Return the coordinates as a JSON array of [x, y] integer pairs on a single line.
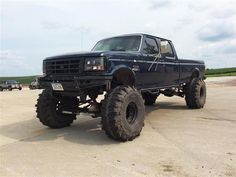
[[34, 85], [10, 85]]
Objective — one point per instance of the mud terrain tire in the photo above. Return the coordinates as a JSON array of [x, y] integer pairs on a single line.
[[48, 110], [123, 113], [195, 94]]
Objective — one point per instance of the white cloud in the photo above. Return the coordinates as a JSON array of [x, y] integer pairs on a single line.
[[8, 55], [157, 4], [217, 31], [12, 62], [36, 29]]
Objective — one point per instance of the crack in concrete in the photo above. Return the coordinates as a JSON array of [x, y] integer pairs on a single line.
[[217, 119]]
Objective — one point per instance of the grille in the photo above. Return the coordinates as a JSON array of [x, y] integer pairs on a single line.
[[67, 66]]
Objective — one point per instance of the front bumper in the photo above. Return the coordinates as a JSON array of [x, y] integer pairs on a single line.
[[74, 83]]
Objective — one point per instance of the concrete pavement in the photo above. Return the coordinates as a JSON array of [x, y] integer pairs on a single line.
[[175, 141]]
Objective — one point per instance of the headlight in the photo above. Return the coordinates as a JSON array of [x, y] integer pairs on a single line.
[[94, 64]]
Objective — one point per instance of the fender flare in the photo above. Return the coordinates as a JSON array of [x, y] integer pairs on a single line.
[[124, 74], [195, 73]]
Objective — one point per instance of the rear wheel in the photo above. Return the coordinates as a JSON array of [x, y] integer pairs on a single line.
[[49, 110], [195, 94], [149, 99], [123, 113], [9, 88]]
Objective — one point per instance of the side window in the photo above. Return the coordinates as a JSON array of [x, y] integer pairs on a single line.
[[150, 46], [166, 49]]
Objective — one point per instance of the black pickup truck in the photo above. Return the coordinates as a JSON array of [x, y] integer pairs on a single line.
[[133, 70]]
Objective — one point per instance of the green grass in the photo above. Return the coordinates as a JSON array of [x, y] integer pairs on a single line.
[[22, 79], [221, 72]]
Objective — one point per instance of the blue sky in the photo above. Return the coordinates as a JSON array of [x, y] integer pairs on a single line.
[[31, 30]]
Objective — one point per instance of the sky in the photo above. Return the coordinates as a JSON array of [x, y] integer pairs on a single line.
[[31, 30]]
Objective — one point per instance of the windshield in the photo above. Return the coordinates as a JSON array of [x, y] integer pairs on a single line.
[[123, 43], [12, 82]]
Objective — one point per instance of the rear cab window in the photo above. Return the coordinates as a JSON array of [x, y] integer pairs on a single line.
[[166, 49]]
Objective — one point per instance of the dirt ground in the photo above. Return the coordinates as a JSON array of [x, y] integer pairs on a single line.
[[175, 141]]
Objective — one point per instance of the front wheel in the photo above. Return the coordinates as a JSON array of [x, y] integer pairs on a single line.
[[49, 110], [123, 113], [195, 94]]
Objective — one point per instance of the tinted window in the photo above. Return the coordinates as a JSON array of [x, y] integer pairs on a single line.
[[123, 43], [150, 46], [11, 82]]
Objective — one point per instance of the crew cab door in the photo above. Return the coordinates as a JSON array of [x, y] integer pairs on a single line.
[[171, 63], [152, 67]]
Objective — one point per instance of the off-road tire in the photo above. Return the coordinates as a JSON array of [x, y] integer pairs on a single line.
[[195, 94], [49, 113], [1, 89], [149, 99], [20, 88], [123, 113], [9, 88]]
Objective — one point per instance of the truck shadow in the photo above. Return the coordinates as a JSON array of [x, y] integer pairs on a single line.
[[84, 130], [171, 106]]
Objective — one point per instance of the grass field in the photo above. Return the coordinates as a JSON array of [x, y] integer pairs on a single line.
[[221, 72], [22, 79], [209, 73]]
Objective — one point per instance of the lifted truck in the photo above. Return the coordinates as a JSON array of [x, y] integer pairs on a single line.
[[132, 70]]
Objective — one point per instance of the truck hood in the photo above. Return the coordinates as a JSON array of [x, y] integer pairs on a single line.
[[108, 54]]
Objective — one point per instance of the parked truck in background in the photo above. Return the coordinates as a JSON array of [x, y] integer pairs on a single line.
[[34, 84], [10, 85]]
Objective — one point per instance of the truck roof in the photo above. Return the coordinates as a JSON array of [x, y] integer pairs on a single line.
[[141, 34]]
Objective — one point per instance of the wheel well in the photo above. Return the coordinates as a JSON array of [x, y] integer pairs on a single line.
[[195, 74], [124, 76]]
